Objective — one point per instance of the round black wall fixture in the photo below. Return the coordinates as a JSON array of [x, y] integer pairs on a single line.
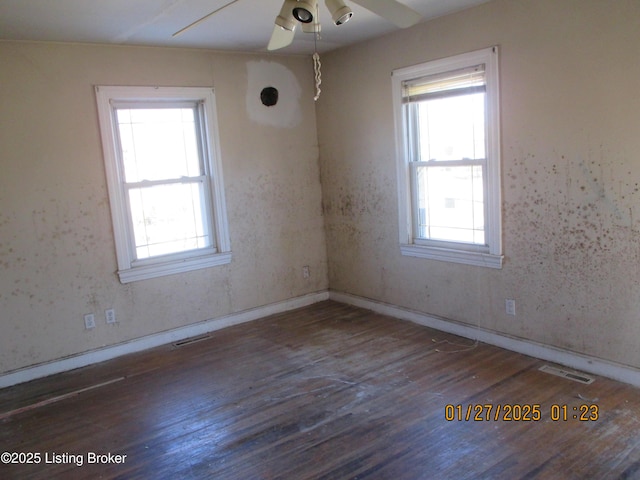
[[269, 96]]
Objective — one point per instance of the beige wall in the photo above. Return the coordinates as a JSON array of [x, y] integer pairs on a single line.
[[570, 74], [570, 174], [57, 255]]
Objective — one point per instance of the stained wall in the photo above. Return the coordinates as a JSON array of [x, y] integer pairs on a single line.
[[570, 174], [57, 255], [570, 116]]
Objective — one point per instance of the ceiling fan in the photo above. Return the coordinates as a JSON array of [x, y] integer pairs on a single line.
[[305, 12]]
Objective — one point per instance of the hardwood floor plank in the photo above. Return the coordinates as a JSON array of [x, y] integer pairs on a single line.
[[328, 391]]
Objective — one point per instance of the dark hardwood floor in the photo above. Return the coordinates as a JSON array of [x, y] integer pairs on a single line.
[[324, 392]]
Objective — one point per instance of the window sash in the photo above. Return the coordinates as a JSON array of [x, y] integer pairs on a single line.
[[201, 227], [423, 92], [200, 132], [205, 243], [417, 226], [414, 117]]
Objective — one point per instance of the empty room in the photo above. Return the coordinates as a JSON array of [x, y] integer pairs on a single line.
[[299, 239]]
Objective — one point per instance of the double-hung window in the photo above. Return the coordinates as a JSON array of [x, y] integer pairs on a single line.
[[448, 156], [164, 177]]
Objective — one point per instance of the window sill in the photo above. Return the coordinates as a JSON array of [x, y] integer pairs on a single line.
[[146, 272], [479, 259]]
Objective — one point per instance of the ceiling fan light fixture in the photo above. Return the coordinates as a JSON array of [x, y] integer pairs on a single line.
[[303, 11], [285, 23], [340, 13], [285, 19]]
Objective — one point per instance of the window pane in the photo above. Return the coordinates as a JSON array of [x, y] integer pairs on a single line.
[[452, 128], [158, 143], [450, 203], [169, 219]]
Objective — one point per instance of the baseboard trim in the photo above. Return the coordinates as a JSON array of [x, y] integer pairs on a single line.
[[577, 361], [155, 340]]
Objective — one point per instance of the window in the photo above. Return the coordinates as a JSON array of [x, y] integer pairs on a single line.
[[164, 176], [448, 157]]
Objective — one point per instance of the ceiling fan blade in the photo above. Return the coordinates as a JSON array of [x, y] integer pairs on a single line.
[[280, 38], [202, 19], [397, 13]]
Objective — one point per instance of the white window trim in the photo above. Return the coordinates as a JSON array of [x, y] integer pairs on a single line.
[[128, 269], [449, 251]]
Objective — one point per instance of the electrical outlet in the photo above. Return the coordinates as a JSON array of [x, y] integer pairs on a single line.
[[305, 272], [510, 306], [110, 315], [89, 321]]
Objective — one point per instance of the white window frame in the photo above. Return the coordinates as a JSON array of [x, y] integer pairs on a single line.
[[129, 268], [489, 255]]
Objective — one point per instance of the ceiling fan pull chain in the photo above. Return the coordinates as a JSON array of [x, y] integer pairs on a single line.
[[318, 75], [316, 56]]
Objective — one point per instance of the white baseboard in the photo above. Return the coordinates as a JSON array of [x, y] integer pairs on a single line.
[[155, 340], [567, 358], [577, 361]]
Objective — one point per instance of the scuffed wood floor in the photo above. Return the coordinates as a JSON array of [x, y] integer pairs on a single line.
[[324, 392]]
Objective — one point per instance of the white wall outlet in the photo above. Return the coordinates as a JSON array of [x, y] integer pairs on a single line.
[[89, 321], [510, 306], [306, 273], [110, 315]]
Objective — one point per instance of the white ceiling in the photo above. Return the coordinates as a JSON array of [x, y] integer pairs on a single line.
[[245, 25]]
